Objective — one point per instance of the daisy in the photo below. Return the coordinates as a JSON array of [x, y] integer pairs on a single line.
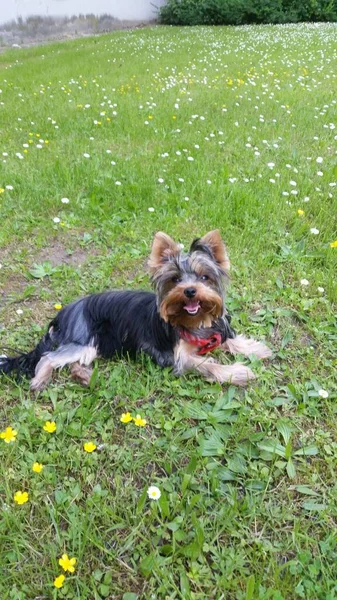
[[153, 492]]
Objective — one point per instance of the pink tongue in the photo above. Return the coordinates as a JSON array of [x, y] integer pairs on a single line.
[[192, 306]]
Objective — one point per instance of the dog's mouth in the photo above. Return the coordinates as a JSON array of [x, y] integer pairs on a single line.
[[192, 307]]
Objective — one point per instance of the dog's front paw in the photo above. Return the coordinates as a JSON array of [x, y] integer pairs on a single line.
[[236, 374], [239, 374], [247, 346]]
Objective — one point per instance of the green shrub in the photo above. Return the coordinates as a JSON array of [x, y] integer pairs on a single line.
[[238, 12]]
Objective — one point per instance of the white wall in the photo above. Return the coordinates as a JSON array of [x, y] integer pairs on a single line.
[[121, 9]]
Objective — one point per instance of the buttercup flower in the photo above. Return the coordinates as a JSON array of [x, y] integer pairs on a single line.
[[333, 244], [153, 492], [37, 467], [67, 564], [139, 421], [50, 426], [126, 418], [21, 497], [57, 306], [59, 581], [300, 212], [89, 446], [8, 435]]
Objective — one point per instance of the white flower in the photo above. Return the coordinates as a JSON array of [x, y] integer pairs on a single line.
[[9, 187], [271, 165], [86, 155], [190, 158], [181, 179], [320, 290], [323, 393], [186, 198], [304, 282], [314, 230], [118, 183], [320, 173], [160, 180], [56, 220], [150, 209], [208, 181], [293, 182], [319, 159], [65, 200], [20, 312], [153, 492]]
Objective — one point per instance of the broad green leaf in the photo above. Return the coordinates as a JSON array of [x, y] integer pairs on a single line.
[[272, 446], [147, 565], [307, 451], [304, 489], [285, 430], [291, 469], [250, 587], [311, 505], [184, 585]]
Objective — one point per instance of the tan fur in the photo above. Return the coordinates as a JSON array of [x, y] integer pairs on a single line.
[[186, 359], [80, 373], [163, 248], [171, 309], [55, 360], [214, 241], [242, 345]]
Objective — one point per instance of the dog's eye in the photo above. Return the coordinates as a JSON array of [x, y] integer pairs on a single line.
[[176, 279], [204, 277]]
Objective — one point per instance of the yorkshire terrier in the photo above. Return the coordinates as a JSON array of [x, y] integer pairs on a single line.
[[176, 326]]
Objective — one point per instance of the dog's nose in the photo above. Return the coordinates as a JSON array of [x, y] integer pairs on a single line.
[[190, 292]]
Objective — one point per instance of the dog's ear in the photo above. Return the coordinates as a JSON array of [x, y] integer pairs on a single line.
[[213, 241], [163, 249]]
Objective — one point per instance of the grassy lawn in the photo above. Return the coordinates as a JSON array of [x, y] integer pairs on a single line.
[[181, 130]]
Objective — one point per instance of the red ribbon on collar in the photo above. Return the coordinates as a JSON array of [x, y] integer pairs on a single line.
[[204, 344]]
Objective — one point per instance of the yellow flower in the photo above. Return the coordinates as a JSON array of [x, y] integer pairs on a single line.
[[89, 446], [59, 581], [126, 418], [57, 306], [50, 426], [300, 212], [37, 467], [333, 244], [2, 190], [139, 421], [8, 435], [20, 497], [67, 564]]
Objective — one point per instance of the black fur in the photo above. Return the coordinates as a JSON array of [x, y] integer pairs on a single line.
[[115, 323]]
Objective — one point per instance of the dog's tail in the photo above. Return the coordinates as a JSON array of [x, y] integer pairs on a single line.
[[25, 363]]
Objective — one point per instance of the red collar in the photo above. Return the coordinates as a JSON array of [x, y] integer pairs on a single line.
[[204, 344]]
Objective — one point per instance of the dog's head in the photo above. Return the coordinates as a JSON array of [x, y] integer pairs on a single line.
[[189, 287]]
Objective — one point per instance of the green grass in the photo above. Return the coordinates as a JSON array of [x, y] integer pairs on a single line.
[[247, 477]]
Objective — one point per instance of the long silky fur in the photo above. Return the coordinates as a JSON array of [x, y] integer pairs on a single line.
[[25, 363]]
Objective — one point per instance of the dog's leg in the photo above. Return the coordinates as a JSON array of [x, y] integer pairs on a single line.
[[246, 346], [64, 355], [80, 373], [187, 360]]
